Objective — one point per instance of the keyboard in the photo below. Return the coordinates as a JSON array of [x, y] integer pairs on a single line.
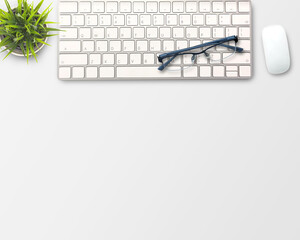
[[120, 40]]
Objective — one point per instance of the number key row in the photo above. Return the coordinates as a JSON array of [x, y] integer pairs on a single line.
[[155, 20]]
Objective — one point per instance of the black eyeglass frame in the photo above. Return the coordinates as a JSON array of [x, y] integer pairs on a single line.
[[220, 42]]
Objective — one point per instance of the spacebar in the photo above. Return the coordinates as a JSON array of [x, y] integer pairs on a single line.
[[147, 72]]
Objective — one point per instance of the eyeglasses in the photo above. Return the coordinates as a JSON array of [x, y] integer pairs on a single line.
[[205, 48]]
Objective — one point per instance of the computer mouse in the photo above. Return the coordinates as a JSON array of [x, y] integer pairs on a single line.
[[276, 48]]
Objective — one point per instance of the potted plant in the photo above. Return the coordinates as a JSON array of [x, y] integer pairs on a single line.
[[24, 30]]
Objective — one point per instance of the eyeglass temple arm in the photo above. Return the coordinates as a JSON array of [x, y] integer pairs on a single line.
[[215, 42]]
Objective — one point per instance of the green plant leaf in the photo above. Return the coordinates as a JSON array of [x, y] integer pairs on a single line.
[[24, 27]]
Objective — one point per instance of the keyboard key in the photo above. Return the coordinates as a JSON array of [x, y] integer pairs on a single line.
[[218, 71], [145, 20], [112, 33], [231, 31], [142, 46], [115, 46], [132, 20], [125, 7], [215, 58], [205, 32], [69, 33], [64, 72], [128, 46], [68, 7], [204, 7], [95, 59], [65, 20], [78, 20], [91, 72], [165, 33], [194, 43], [108, 59], [78, 72], [85, 33], [198, 19], [218, 7], [105, 20], [231, 7], [191, 33], [191, 72], [139, 33], [218, 33], [147, 72], [201, 59], [106, 72], [88, 46], [211, 19], [158, 20], [244, 32], [240, 19], [238, 58], [148, 58], [244, 6], [69, 46], [122, 59], [231, 74], [111, 7], [85, 7], [232, 68], [185, 20], [125, 33], [168, 46], [92, 20], [98, 33], [135, 59], [101, 46], [152, 33], [245, 71], [119, 20], [245, 44], [138, 7], [191, 7], [181, 44], [152, 7], [205, 71], [187, 60], [178, 7], [178, 32], [165, 7], [224, 19], [155, 46], [172, 20], [98, 7], [73, 59]]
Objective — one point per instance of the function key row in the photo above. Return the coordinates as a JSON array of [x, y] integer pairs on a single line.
[[153, 7]]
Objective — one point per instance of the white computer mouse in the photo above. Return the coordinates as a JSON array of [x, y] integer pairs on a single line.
[[276, 47]]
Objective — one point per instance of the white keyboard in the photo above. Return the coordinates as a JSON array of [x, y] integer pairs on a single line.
[[120, 40]]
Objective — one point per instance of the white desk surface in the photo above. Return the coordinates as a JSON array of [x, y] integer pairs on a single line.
[[152, 160]]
